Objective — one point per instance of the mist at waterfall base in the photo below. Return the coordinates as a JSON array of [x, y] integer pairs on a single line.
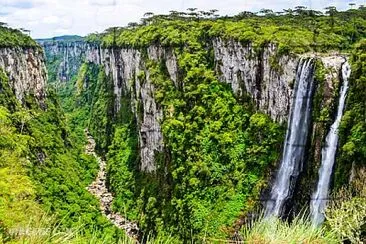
[[319, 198], [296, 138]]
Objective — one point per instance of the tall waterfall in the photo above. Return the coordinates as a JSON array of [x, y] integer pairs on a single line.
[[319, 198], [296, 138]]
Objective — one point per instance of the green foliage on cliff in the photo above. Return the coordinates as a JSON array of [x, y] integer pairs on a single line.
[[217, 154], [218, 150], [295, 32], [102, 110], [45, 161], [353, 126], [18, 206], [10, 37]]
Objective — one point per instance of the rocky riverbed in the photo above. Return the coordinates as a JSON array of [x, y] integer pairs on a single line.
[[99, 189]]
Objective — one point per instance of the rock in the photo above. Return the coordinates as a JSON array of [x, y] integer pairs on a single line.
[[73, 55], [266, 77], [26, 71], [98, 188], [124, 66]]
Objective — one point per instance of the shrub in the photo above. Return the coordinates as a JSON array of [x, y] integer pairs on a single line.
[[346, 215]]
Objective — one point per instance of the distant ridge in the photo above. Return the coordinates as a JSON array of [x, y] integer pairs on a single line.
[[61, 38]]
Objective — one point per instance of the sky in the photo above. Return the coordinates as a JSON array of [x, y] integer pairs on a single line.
[[49, 18]]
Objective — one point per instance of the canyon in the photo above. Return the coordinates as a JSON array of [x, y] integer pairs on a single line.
[[186, 128], [269, 79]]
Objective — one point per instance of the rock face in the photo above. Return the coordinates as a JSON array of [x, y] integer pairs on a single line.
[[132, 78], [70, 54], [26, 71], [267, 78]]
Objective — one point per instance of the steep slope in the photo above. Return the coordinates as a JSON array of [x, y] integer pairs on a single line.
[[134, 110], [40, 155], [190, 114]]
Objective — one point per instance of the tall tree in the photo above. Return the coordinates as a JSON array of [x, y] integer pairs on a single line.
[[331, 11]]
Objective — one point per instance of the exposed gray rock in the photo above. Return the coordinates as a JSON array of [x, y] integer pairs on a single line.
[[99, 189], [266, 77], [26, 71], [71, 54], [333, 65], [125, 67]]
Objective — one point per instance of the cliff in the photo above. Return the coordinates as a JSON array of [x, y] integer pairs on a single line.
[[131, 77], [250, 79], [26, 70], [66, 57], [264, 75]]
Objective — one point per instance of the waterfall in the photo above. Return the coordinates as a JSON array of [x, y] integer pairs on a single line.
[[296, 138], [319, 198]]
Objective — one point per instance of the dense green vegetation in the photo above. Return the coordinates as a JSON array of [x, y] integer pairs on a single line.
[[10, 37], [296, 31], [353, 127], [45, 160], [219, 150], [213, 164]]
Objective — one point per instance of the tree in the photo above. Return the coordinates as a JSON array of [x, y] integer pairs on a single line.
[[192, 12], [22, 117], [25, 31], [214, 12], [192, 9], [244, 14], [113, 30], [174, 14], [331, 11], [132, 25], [148, 14], [266, 12], [278, 13], [289, 12], [300, 10]]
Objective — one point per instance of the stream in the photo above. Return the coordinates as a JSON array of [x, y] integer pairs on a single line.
[[100, 190]]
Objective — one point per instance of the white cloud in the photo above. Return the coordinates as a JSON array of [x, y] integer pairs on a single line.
[[50, 20], [47, 18], [103, 2]]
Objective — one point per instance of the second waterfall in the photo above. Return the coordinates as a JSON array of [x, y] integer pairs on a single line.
[[296, 139], [319, 198]]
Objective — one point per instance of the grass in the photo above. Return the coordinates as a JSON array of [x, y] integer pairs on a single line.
[[274, 230], [47, 230]]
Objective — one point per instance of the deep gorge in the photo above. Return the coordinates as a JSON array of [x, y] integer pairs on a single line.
[[200, 131], [253, 80]]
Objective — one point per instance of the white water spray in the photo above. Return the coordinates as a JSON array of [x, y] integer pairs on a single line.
[[296, 139], [319, 198]]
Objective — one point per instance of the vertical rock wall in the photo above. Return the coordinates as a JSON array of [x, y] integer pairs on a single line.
[[70, 54], [265, 76], [125, 66], [26, 71]]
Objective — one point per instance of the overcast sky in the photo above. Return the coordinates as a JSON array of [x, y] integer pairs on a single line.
[[48, 18]]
